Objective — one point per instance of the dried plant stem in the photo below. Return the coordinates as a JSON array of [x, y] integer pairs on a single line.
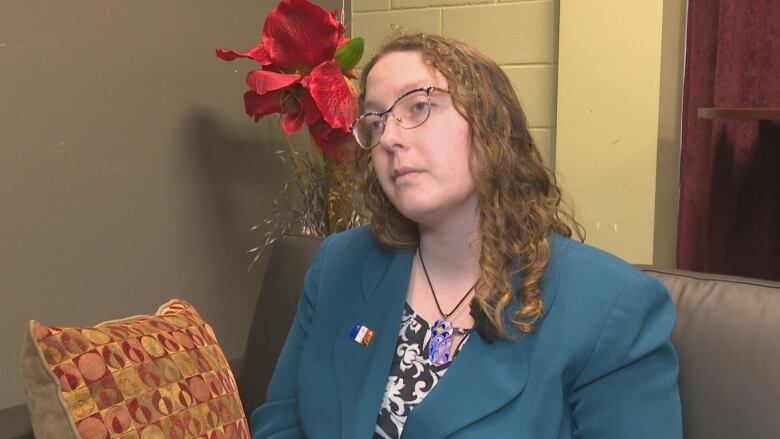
[[316, 200], [300, 169]]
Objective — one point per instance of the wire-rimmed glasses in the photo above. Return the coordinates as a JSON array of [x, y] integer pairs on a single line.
[[410, 110]]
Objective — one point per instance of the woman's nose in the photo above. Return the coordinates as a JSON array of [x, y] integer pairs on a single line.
[[392, 136]]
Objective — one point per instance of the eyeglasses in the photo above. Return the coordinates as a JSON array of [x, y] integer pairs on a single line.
[[410, 110]]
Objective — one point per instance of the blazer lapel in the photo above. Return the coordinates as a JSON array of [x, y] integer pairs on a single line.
[[362, 371], [483, 378]]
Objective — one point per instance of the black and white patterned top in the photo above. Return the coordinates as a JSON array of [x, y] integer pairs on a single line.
[[412, 376]]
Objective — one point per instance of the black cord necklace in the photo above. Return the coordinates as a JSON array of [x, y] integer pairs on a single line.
[[442, 331]]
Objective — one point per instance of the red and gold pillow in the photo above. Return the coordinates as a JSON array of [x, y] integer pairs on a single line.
[[159, 376]]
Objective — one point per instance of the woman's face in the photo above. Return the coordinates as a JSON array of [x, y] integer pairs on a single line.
[[424, 171]]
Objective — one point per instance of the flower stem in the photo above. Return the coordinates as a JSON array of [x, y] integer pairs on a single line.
[[321, 160], [294, 156]]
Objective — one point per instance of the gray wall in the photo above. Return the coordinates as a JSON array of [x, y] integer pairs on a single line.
[[129, 172]]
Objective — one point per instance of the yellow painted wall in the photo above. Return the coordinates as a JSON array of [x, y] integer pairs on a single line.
[[520, 36], [618, 118]]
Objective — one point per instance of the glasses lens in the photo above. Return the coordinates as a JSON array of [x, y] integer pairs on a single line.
[[412, 110], [368, 130]]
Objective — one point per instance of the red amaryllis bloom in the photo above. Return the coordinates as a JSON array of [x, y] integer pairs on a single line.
[[302, 76]]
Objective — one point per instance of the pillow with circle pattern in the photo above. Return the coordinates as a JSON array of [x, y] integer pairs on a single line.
[[145, 377]]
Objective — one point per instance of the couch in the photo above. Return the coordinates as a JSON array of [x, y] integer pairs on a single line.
[[727, 337]]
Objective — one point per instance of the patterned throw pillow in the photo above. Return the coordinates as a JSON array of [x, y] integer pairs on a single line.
[[160, 376]]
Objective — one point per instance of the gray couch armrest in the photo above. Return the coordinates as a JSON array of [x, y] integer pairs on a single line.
[[728, 341], [274, 313], [15, 423]]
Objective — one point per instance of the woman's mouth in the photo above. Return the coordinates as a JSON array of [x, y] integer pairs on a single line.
[[402, 173]]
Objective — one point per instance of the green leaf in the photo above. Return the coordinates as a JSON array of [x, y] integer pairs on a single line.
[[348, 55]]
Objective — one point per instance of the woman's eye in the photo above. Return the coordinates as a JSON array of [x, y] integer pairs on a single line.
[[375, 126], [421, 106]]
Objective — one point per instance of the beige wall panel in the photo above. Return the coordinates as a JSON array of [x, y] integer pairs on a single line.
[[373, 27], [668, 166], [518, 33], [608, 113], [545, 142], [400, 4], [129, 172], [535, 87], [370, 5]]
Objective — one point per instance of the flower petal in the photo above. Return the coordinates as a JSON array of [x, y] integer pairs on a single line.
[[299, 35], [334, 95], [310, 109], [256, 53], [261, 105], [263, 81], [335, 143], [292, 122], [298, 108]]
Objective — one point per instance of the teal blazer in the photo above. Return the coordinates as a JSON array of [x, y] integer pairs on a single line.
[[600, 365]]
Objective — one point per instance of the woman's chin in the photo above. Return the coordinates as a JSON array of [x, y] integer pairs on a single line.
[[423, 214], [416, 213], [433, 215]]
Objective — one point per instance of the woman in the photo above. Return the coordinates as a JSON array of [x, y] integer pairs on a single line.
[[465, 310]]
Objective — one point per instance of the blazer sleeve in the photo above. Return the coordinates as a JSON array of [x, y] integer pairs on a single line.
[[278, 417], [628, 387]]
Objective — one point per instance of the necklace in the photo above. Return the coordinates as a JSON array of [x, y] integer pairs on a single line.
[[442, 330]]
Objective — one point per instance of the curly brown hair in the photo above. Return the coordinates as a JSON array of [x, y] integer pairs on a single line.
[[519, 201]]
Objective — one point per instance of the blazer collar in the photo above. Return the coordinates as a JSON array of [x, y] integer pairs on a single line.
[[383, 265]]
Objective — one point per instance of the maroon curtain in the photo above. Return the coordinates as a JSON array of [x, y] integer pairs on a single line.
[[730, 169]]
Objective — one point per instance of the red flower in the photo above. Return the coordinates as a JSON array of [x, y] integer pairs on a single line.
[[300, 76]]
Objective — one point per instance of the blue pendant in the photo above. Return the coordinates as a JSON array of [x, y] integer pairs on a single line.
[[441, 342]]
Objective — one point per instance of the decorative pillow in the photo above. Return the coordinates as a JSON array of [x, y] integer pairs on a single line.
[[160, 376]]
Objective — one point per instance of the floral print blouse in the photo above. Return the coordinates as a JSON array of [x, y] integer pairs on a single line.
[[412, 376]]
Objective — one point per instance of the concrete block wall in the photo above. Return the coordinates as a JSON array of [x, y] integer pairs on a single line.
[[521, 36]]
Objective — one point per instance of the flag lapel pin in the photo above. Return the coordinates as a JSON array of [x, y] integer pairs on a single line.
[[362, 334]]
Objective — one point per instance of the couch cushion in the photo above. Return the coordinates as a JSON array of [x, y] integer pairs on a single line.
[[728, 339], [146, 376]]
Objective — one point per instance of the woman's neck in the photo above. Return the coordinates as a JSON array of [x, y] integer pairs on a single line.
[[452, 251], [451, 267]]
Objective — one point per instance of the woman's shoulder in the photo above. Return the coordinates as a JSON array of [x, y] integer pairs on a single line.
[[351, 245], [594, 295], [352, 254], [575, 258], [352, 239], [584, 272]]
